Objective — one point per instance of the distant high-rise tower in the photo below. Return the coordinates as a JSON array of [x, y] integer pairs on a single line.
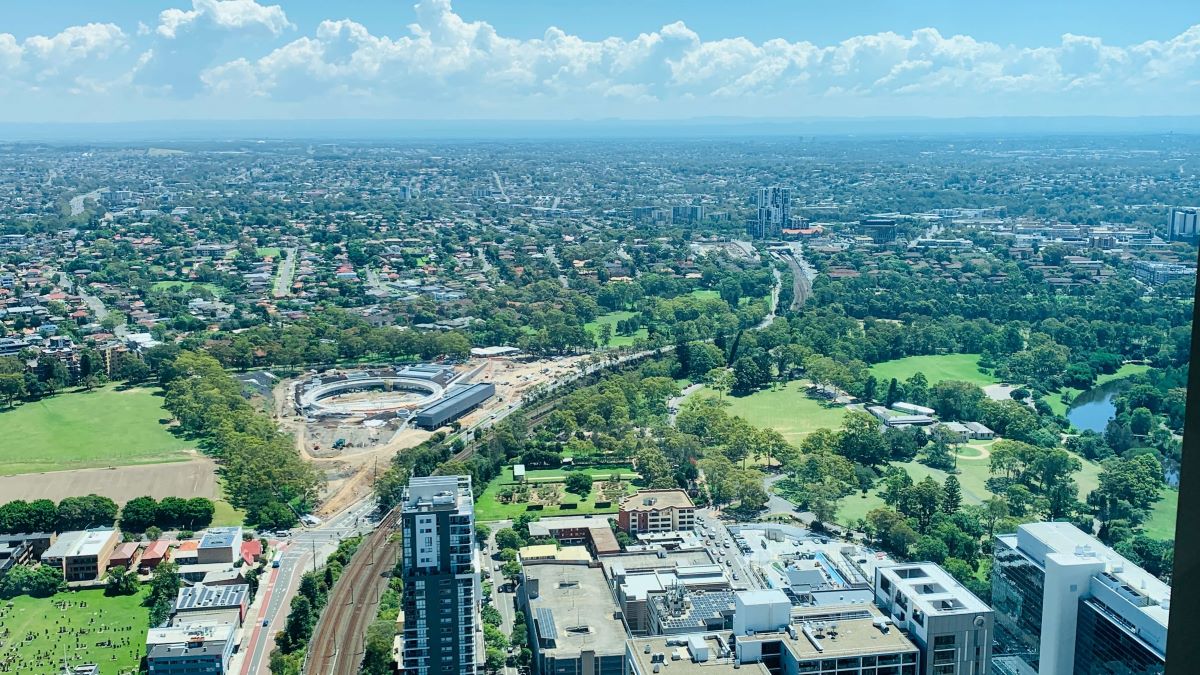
[[774, 212], [1184, 223], [441, 580]]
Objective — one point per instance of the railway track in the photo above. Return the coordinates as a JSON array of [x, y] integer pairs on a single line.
[[338, 641]]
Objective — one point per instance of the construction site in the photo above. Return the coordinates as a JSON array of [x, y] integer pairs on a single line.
[[351, 422]]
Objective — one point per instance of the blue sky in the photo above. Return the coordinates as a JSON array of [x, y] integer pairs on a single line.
[[81, 61]]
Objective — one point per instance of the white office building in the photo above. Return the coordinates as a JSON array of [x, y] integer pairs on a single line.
[[951, 626], [1066, 603]]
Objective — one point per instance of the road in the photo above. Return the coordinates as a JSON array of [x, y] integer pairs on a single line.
[[77, 201], [93, 303], [306, 550], [562, 278], [729, 556], [505, 603], [337, 643], [287, 272], [500, 186]]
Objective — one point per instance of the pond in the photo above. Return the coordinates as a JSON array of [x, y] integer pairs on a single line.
[[1094, 408]]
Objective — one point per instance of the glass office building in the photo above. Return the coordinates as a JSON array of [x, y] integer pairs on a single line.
[[1067, 604]]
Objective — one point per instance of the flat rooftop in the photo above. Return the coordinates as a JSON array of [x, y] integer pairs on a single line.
[[933, 589], [574, 608], [544, 527], [79, 543], [221, 537], [657, 500], [439, 493], [656, 560], [673, 644], [840, 631]]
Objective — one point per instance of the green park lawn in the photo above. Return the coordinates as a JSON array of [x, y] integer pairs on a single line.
[[963, 367], [788, 410], [85, 429], [1161, 524], [185, 285], [489, 507], [269, 252], [118, 618], [705, 294], [611, 319]]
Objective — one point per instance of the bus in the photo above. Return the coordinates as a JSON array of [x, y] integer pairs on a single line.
[[276, 559]]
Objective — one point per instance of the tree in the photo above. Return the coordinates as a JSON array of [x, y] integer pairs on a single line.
[[138, 514], [511, 570], [951, 494], [12, 387], [1141, 420], [121, 581], [482, 532], [861, 441], [40, 582], [508, 538], [891, 531], [747, 376], [924, 502], [80, 513], [605, 334], [931, 549], [164, 583], [1128, 490], [916, 389], [893, 393], [579, 483]]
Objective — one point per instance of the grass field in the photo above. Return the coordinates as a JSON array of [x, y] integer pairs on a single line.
[[611, 319], [77, 430], [1054, 398], [964, 367], [120, 619], [1161, 524], [551, 475], [185, 285], [489, 507], [788, 410], [269, 251]]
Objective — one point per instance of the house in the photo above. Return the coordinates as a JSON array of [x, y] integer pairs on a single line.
[[126, 555], [186, 552], [960, 431], [83, 554], [252, 551], [156, 552], [656, 511], [980, 432]]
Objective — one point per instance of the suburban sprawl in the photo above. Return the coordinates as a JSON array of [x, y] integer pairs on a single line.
[[782, 405]]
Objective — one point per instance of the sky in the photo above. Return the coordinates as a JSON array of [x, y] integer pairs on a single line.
[[80, 61]]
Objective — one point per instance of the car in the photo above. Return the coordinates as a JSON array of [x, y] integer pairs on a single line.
[[266, 621], [735, 576], [726, 544]]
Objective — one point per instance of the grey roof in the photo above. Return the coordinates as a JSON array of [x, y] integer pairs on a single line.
[[220, 537], [206, 597]]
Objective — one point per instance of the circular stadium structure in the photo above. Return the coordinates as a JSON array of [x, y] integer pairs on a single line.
[[370, 392]]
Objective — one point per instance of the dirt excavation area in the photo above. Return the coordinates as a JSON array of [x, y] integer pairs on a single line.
[[364, 451], [193, 478]]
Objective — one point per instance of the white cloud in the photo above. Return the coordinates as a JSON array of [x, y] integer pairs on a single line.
[[223, 14], [62, 59], [187, 41], [444, 56], [217, 54]]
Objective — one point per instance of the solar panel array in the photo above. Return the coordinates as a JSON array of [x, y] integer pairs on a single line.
[[544, 621], [704, 606]]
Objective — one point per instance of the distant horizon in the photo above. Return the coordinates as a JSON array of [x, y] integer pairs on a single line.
[[381, 128]]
